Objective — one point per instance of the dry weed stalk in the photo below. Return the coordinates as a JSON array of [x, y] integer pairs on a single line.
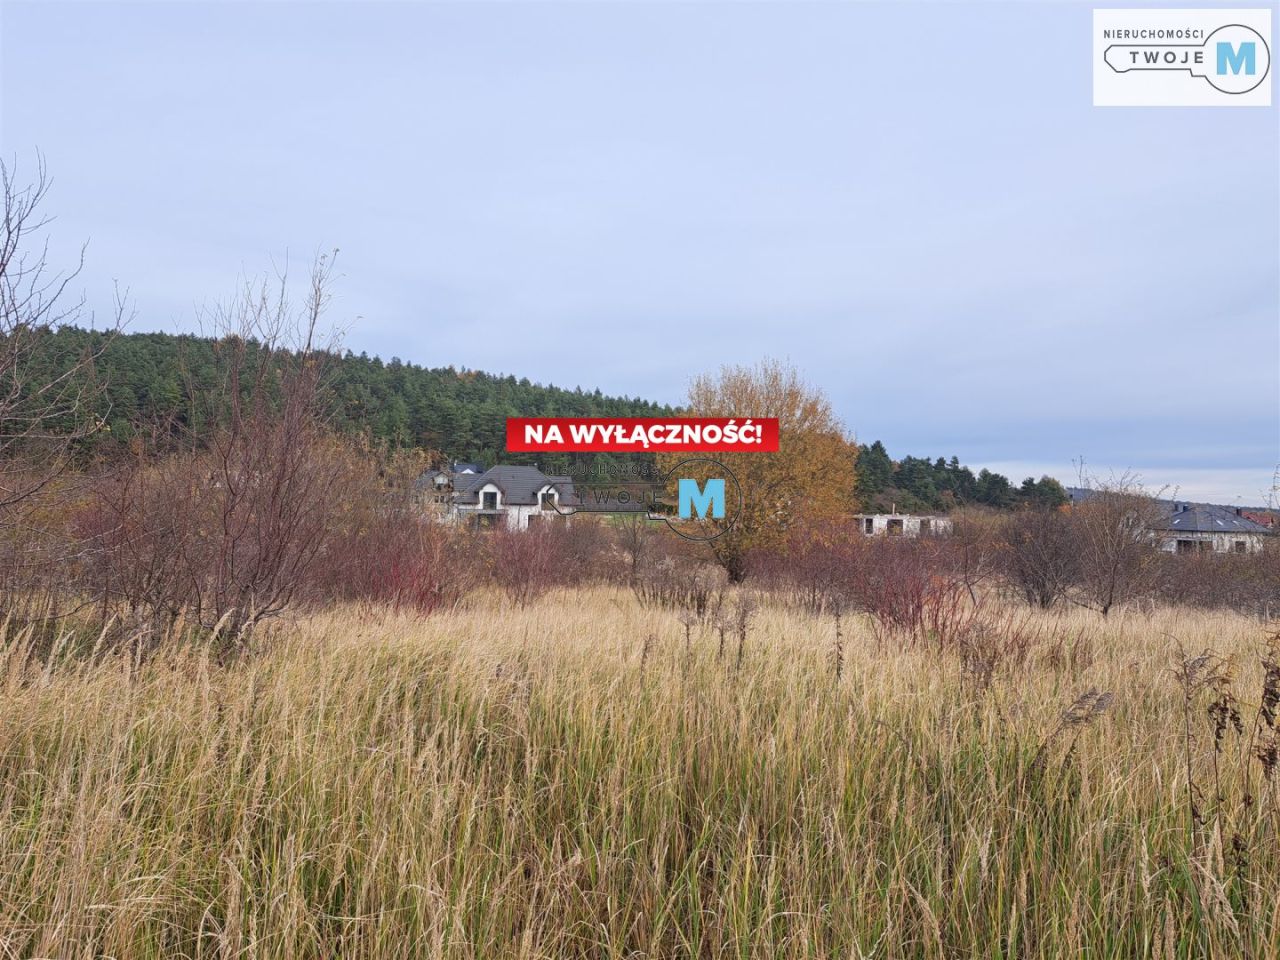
[[1082, 712], [838, 652], [742, 620]]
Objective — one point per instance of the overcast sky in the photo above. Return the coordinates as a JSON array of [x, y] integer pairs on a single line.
[[916, 204]]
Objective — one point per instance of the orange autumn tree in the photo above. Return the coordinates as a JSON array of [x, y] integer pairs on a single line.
[[809, 479]]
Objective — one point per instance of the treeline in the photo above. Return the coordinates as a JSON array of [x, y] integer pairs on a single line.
[[149, 378], [921, 485]]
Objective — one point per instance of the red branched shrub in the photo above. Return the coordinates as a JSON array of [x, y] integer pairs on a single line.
[[526, 564], [818, 566], [909, 591], [401, 557], [219, 539]]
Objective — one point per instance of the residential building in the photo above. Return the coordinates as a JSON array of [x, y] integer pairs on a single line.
[[901, 525], [505, 495], [1196, 527], [1185, 527]]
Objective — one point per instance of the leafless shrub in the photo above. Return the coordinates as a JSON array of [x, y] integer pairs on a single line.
[[591, 548], [680, 583], [973, 551], [636, 538], [911, 595], [817, 566], [1248, 583], [525, 564], [1039, 555], [389, 550], [1113, 533], [183, 536]]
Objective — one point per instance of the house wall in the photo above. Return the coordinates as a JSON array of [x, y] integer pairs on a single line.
[[514, 516], [1216, 542], [881, 522], [518, 517]]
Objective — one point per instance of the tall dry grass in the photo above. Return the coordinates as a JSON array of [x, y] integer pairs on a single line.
[[571, 778]]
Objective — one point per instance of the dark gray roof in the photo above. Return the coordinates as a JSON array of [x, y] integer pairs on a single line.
[[519, 485], [1206, 518], [1181, 516]]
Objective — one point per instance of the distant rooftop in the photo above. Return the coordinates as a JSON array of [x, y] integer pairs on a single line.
[[1182, 516]]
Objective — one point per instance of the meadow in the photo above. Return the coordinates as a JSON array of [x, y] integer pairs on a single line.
[[587, 776]]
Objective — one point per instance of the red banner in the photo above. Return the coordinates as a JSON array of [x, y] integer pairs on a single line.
[[642, 434]]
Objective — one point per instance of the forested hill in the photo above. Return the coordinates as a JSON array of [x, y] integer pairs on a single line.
[[461, 413]]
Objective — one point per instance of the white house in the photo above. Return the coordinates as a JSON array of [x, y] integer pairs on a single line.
[[508, 495], [1184, 527], [1203, 527], [901, 525]]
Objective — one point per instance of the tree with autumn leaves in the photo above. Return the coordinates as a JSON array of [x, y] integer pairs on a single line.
[[811, 477]]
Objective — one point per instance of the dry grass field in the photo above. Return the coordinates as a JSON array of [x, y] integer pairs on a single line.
[[571, 779]]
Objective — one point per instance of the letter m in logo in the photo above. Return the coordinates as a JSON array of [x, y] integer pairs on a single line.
[[1233, 59], [693, 498]]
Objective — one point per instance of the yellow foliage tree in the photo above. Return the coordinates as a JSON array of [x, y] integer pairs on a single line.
[[810, 478]]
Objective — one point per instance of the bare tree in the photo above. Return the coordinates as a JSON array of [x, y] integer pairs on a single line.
[[1039, 555], [1114, 532], [272, 483], [228, 529], [974, 547], [46, 401]]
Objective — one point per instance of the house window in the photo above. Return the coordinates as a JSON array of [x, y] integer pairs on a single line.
[[895, 528], [489, 500], [1186, 546], [1240, 546], [924, 526], [868, 526], [548, 500]]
